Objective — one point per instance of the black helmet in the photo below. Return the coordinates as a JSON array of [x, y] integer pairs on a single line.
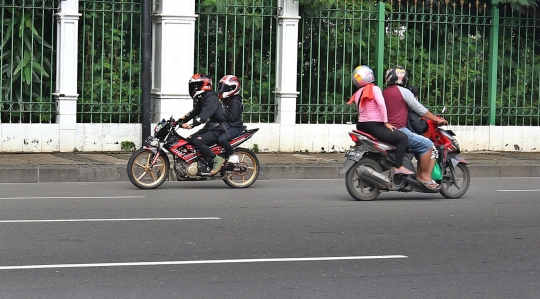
[[396, 75]]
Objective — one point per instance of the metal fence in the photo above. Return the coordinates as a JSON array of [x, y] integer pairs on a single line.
[[27, 37], [445, 46], [333, 42], [480, 62], [239, 37], [518, 69], [110, 62]]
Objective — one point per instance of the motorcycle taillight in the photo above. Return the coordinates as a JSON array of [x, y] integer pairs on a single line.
[[354, 137]]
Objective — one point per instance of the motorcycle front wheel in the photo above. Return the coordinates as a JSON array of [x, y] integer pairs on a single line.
[[360, 189], [246, 170], [143, 174], [455, 181]]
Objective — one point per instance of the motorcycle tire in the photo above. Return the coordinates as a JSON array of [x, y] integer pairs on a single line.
[[143, 174], [455, 181], [250, 168], [359, 189]]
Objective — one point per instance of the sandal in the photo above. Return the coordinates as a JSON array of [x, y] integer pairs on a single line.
[[430, 185], [405, 171]]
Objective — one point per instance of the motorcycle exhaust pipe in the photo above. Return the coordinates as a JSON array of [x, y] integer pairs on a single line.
[[374, 177]]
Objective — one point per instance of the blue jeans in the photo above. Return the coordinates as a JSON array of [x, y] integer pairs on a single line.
[[418, 144]]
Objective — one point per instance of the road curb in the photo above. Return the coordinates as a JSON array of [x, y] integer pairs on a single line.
[[115, 173]]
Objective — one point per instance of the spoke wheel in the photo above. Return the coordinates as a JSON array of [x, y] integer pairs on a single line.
[[456, 180], [246, 170], [360, 189], [143, 174]]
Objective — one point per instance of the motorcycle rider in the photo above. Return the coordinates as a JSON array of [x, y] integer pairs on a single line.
[[372, 117], [228, 89], [398, 100], [208, 110]]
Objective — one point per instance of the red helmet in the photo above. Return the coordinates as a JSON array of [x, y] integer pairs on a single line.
[[228, 86], [198, 84]]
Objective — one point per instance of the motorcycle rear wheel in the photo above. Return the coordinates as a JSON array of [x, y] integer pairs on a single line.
[[143, 174], [359, 189], [455, 188], [250, 165]]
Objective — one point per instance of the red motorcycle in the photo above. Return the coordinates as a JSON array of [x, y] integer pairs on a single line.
[[149, 166], [369, 166]]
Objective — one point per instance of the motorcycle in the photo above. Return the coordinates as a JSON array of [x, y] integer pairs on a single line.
[[149, 166], [369, 166]]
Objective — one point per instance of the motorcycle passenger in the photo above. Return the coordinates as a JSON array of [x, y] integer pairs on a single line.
[[209, 111], [228, 89], [372, 115], [398, 100]]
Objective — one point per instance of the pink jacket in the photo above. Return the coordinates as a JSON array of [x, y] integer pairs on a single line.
[[374, 110]]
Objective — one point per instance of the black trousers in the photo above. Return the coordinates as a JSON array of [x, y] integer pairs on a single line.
[[395, 137], [224, 139], [206, 138]]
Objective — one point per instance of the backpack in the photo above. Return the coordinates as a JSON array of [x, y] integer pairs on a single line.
[[416, 124]]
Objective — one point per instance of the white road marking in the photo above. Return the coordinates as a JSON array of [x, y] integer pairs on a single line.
[[307, 259], [523, 190], [102, 220], [71, 197]]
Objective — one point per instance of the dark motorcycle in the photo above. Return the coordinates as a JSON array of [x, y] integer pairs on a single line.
[[369, 166], [149, 166]]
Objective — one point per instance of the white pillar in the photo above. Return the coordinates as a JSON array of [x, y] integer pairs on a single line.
[[173, 63], [286, 72], [67, 20]]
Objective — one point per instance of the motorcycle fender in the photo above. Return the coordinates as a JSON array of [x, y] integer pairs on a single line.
[[151, 149], [352, 156], [457, 159], [348, 164]]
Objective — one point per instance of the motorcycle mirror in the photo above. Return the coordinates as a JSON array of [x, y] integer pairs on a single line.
[[443, 110]]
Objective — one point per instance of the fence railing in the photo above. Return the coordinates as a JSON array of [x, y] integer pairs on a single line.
[[109, 62], [239, 37], [27, 60]]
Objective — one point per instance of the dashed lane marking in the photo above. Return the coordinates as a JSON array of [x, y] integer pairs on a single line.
[[134, 264], [104, 220], [70, 197]]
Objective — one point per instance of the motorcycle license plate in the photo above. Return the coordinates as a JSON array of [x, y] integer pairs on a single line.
[[353, 155]]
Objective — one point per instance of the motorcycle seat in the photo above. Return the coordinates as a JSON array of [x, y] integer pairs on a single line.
[[366, 134]]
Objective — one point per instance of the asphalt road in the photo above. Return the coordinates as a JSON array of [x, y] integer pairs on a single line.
[[277, 239]]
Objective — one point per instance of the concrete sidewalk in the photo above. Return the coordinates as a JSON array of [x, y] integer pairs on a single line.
[[111, 167]]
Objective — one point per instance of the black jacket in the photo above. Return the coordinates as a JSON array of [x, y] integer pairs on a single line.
[[233, 111], [208, 108]]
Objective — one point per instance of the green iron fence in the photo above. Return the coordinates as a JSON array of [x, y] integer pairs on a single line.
[[238, 37], [444, 46], [110, 62], [27, 60], [333, 42], [518, 69]]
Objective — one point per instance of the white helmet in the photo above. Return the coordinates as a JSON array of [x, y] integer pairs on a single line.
[[362, 75], [228, 86]]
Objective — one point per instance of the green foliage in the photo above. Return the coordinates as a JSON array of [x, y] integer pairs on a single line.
[[127, 146], [255, 148]]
